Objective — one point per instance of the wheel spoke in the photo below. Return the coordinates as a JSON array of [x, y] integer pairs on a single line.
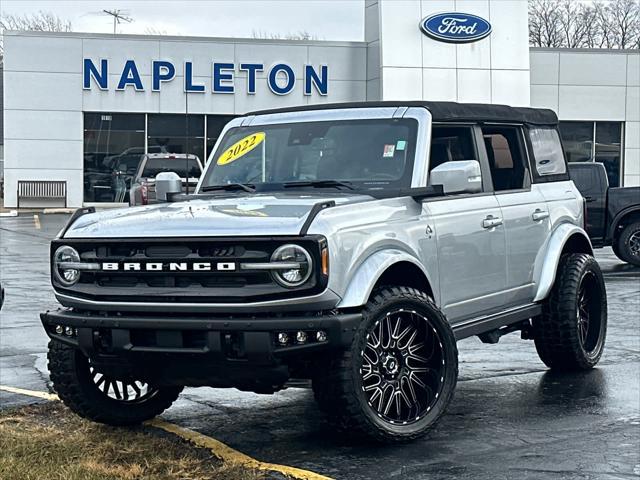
[[391, 398], [397, 396], [100, 381], [136, 389], [404, 381], [415, 379], [370, 360], [106, 386], [385, 339], [116, 390], [396, 329], [371, 387], [377, 394], [404, 333], [417, 358]]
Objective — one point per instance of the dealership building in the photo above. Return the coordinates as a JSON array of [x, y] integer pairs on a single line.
[[78, 107]]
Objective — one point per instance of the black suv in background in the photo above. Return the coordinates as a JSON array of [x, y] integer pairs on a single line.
[[613, 213]]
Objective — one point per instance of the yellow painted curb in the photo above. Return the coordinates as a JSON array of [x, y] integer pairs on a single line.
[[228, 454], [219, 449], [29, 393]]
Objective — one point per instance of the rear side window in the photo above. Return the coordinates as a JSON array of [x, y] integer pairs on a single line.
[[507, 161], [547, 151], [587, 179], [180, 166]]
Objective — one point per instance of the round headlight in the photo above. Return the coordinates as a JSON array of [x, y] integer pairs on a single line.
[[65, 275], [292, 277]]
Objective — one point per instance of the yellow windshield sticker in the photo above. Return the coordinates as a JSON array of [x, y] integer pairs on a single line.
[[241, 148]]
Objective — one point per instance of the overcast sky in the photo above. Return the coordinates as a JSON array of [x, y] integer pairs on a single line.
[[325, 19]]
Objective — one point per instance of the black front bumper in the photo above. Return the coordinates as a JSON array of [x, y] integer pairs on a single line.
[[231, 338]]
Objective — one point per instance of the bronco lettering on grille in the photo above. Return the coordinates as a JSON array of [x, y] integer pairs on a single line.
[[169, 267]]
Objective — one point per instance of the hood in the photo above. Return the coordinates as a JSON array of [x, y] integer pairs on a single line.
[[258, 214]]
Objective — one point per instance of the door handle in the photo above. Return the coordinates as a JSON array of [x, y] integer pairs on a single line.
[[491, 222], [539, 215], [589, 199]]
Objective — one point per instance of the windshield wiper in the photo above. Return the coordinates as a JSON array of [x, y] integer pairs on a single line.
[[319, 184], [229, 187]]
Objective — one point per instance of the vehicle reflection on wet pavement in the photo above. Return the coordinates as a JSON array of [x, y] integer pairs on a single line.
[[510, 418]]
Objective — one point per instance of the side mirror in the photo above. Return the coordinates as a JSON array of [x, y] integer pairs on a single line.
[[463, 176], [167, 183]]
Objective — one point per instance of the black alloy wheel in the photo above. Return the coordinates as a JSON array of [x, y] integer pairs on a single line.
[[628, 244], [402, 367], [398, 376], [104, 398], [122, 390], [588, 313], [570, 334]]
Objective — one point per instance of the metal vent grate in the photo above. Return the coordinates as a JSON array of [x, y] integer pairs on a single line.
[[42, 189]]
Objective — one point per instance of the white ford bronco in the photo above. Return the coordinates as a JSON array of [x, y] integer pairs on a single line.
[[350, 245]]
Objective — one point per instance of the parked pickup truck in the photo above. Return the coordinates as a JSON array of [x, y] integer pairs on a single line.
[[349, 245], [613, 214], [143, 185]]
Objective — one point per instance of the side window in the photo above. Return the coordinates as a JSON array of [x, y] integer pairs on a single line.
[[583, 178], [587, 179], [450, 144], [547, 151], [506, 157]]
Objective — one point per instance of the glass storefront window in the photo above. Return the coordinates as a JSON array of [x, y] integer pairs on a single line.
[[113, 146], [215, 124], [595, 141], [176, 133], [608, 149], [577, 138], [115, 142]]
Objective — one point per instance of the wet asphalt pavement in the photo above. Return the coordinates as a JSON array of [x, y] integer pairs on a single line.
[[510, 418]]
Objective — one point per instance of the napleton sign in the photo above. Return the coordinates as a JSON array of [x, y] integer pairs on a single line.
[[281, 77]]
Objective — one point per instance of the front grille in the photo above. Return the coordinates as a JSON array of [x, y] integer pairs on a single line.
[[188, 286]]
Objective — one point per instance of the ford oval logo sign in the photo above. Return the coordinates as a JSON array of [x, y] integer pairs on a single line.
[[455, 27]]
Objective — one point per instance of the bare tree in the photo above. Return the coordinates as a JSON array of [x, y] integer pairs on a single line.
[[544, 23], [37, 22], [625, 21], [155, 31], [301, 35], [582, 24], [605, 37]]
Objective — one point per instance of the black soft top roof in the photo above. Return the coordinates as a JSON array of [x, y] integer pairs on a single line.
[[447, 111]]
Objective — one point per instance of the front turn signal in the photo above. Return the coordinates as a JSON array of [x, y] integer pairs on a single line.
[[325, 261]]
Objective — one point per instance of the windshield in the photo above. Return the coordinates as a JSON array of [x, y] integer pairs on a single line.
[[154, 166], [368, 154], [127, 164]]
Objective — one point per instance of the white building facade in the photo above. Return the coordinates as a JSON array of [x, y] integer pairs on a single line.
[[82, 108]]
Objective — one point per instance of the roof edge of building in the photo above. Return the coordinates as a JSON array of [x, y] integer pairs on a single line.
[[625, 51], [127, 36]]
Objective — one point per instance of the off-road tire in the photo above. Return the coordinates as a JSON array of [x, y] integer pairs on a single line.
[[557, 332], [630, 233], [338, 388], [69, 372]]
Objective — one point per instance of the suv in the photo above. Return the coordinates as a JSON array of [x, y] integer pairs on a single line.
[[143, 185], [351, 245]]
